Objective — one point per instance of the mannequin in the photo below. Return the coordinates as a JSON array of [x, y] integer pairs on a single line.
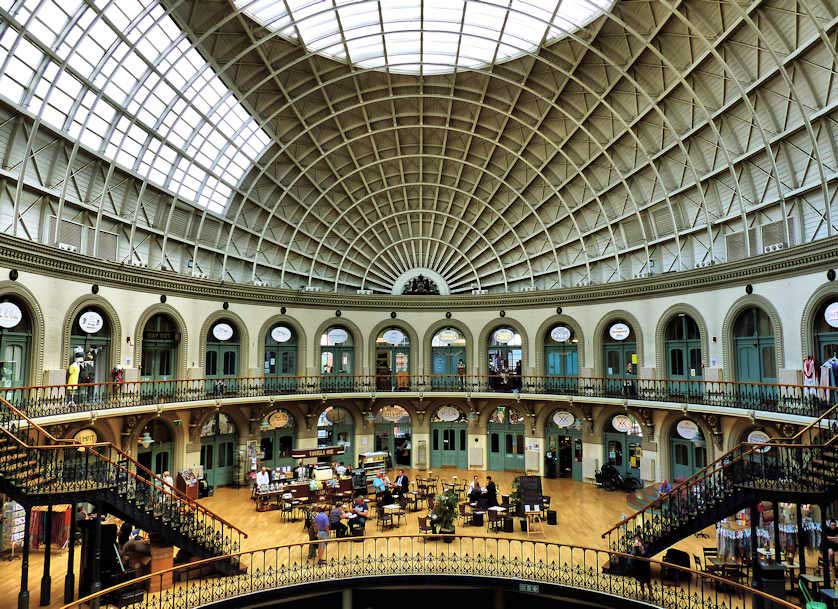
[[829, 376], [73, 371], [809, 379]]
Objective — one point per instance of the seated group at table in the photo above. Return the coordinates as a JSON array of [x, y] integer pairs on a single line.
[[487, 495]]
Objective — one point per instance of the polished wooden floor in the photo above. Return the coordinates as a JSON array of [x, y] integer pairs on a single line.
[[584, 513]]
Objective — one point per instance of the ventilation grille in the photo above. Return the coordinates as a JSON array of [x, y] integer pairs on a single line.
[[735, 245]]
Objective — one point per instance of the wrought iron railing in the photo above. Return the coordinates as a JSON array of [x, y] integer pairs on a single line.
[[264, 570], [48, 400], [804, 464], [33, 462]]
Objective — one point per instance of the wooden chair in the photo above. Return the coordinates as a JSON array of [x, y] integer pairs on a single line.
[[462, 513], [698, 565], [495, 521], [385, 520], [424, 528]]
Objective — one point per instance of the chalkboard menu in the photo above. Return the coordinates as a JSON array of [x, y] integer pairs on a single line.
[[530, 489]]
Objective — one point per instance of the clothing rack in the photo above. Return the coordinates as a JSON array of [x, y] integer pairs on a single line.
[[61, 515]]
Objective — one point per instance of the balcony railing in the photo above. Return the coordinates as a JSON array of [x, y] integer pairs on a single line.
[[539, 562], [38, 401]]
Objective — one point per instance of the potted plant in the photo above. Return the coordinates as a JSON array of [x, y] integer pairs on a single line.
[[444, 513], [515, 508]]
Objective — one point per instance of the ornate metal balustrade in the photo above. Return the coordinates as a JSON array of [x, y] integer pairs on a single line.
[[38, 401], [606, 572]]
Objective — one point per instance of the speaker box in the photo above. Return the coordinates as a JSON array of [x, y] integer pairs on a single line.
[[551, 517]]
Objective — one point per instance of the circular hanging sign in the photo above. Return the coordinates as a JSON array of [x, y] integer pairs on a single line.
[[560, 334], [623, 423], [449, 335], [281, 334], [831, 315], [86, 436], [278, 419], [619, 331], [337, 336], [688, 429], [336, 415], [393, 413], [758, 436], [91, 322], [448, 414], [222, 331], [563, 418], [394, 337], [503, 336], [10, 315]]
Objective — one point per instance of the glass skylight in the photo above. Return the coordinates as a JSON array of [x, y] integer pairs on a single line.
[[423, 36], [122, 78]]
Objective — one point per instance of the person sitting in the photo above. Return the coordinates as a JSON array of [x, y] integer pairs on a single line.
[[664, 488], [263, 478], [402, 483], [361, 511], [379, 484], [336, 516], [474, 489], [340, 469]]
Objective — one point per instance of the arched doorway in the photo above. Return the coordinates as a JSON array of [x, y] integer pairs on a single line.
[[337, 359], [15, 342], [448, 359], [392, 360], [563, 453], [619, 354], [222, 353], [336, 427], [683, 355], [219, 453], [561, 358], [504, 357], [279, 433], [449, 436], [753, 336], [161, 340], [826, 338], [155, 447], [90, 341], [280, 362], [688, 449], [506, 440], [393, 434], [623, 444]]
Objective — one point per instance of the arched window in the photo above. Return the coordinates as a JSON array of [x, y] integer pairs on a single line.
[[335, 427], [506, 439], [277, 440], [448, 358], [753, 337], [219, 450], [281, 351], [337, 359], [15, 342], [90, 345], [619, 353], [826, 333], [223, 349], [561, 358], [683, 353], [154, 447], [393, 434], [392, 360], [563, 446], [504, 357], [161, 339]]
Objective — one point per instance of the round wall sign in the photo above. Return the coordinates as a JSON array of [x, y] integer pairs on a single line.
[[560, 334], [619, 331], [10, 315], [503, 336], [91, 322], [758, 436], [337, 336], [831, 315], [394, 337], [448, 414], [622, 423], [563, 418], [86, 436], [688, 429], [449, 335], [222, 331], [281, 334], [278, 419]]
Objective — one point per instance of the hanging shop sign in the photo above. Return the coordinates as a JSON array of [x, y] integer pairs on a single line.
[[563, 419], [623, 423], [758, 436], [503, 336], [326, 451], [336, 415], [394, 337], [278, 419], [10, 315], [338, 336], [449, 335], [281, 334], [86, 437], [688, 429], [393, 413], [91, 322], [160, 335], [448, 414], [831, 315], [560, 334], [222, 331], [619, 331]]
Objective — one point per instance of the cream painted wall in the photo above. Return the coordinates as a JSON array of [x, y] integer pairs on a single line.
[[788, 295]]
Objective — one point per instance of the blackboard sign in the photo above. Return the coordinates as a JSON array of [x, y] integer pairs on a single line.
[[530, 489]]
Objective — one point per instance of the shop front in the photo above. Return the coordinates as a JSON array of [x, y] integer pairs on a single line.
[[563, 453], [624, 444], [449, 435], [506, 440], [219, 450], [393, 434]]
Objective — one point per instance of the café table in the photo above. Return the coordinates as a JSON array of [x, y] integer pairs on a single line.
[[830, 597], [813, 582], [790, 568], [395, 510]]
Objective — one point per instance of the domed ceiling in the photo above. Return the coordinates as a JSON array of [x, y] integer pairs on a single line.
[[497, 145]]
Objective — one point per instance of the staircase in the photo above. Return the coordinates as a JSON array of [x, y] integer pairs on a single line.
[[803, 468], [37, 468]]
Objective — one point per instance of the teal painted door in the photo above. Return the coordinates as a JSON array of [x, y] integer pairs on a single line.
[[218, 455], [444, 362], [222, 362], [506, 448], [337, 365], [563, 362], [276, 446], [688, 457], [566, 446], [623, 452], [157, 457], [281, 366], [756, 363], [449, 445], [827, 343], [617, 356], [684, 366], [14, 359]]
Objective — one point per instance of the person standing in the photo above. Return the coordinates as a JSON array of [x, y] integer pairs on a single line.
[[263, 478], [638, 566], [321, 525], [491, 492]]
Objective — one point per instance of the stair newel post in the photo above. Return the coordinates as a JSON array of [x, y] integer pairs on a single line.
[[46, 580], [96, 576], [825, 550], [70, 577], [777, 532], [23, 596], [757, 583], [801, 547]]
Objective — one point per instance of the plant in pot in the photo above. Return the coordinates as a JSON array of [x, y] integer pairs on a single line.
[[444, 514], [515, 507]]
